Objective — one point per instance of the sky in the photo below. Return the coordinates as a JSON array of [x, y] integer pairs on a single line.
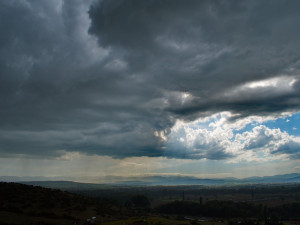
[[100, 90]]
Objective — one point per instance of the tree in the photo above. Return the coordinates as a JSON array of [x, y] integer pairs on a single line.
[[140, 201]]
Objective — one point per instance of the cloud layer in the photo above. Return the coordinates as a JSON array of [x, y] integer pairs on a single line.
[[115, 77]]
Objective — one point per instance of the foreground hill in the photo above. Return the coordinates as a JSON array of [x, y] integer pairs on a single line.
[[26, 204]]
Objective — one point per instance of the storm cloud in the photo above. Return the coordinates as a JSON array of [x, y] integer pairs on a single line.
[[112, 77]]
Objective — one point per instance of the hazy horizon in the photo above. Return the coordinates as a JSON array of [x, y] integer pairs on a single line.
[[159, 179]]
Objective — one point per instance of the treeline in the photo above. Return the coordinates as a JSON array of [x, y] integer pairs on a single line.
[[162, 192], [230, 209]]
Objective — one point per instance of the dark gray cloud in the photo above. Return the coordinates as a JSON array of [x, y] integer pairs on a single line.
[[103, 77], [204, 46], [291, 148]]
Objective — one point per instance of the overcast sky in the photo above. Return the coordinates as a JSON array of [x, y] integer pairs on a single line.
[[140, 87]]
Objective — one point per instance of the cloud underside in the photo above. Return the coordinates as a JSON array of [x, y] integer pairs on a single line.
[[130, 78]]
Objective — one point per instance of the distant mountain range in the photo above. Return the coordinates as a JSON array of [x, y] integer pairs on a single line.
[[189, 180], [153, 181]]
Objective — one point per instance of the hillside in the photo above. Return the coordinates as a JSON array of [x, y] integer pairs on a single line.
[[26, 204]]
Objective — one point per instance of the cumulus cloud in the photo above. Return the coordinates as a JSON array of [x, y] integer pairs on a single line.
[[120, 78], [189, 140], [291, 148], [218, 137]]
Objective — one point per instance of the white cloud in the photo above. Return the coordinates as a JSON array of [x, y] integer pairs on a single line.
[[217, 137], [267, 88]]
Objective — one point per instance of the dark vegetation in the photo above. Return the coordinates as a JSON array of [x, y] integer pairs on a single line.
[[26, 204], [255, 204], [229, 209], [236, 193]]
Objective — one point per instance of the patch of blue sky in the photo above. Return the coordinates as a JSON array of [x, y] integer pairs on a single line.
[[290, 124], [248, 127]]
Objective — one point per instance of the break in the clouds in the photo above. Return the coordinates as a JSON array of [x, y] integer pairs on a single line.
[[217, 137], [122, 78]]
